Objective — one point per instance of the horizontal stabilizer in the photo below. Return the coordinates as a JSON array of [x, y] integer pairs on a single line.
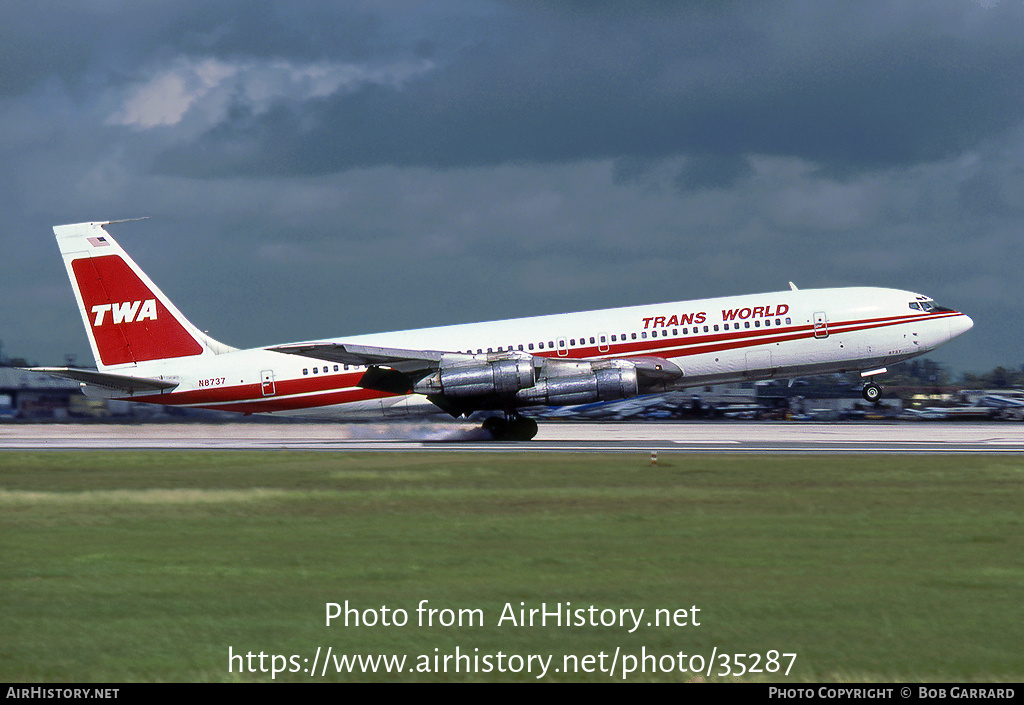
[[106, 380]]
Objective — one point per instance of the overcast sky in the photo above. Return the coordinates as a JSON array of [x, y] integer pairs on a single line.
[[315, 169]]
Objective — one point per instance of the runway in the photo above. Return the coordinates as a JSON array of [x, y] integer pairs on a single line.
[[688, 437]]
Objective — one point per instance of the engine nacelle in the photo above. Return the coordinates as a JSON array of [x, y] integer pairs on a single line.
[[603, 384], [501, 377]]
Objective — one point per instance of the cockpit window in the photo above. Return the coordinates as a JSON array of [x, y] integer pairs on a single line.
[[928, 306]]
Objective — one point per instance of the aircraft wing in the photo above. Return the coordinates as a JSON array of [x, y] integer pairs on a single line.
[[406, 361], [412, 365], [106, 380], [391, 370], [413, 361]]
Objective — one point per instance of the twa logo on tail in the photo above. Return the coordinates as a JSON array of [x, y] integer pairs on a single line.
[[125, 312], [113, 292]]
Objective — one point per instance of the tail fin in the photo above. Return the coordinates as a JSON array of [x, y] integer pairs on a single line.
[[127, 318]]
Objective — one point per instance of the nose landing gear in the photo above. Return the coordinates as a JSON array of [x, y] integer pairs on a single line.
[[871, 392]]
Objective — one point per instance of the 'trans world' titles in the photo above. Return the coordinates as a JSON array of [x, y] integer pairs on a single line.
[[558, 614]]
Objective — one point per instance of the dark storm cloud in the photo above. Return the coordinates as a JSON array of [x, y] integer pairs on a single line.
[[846, 86], [546, 84]]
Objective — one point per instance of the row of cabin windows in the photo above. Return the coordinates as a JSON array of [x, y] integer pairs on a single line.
[[327, 368], [550, 345]]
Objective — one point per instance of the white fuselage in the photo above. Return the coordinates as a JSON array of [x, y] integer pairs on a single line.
[[761, 336]]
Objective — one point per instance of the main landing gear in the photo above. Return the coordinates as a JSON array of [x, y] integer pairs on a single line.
[[871, 392], [512, 427]]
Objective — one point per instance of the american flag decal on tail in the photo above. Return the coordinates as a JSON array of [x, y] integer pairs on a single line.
[[98, 241]]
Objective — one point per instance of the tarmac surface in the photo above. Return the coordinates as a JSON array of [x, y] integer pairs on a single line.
[[720, 437]]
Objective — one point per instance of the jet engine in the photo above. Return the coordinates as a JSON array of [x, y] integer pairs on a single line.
[[501, 377], [466, 383], [601, 384]]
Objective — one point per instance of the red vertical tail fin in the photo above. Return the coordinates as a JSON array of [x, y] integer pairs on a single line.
[[127, 318]]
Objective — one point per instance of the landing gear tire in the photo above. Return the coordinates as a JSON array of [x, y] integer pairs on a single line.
[[517, 428], [496, 426], [523, 429], [872, 392]]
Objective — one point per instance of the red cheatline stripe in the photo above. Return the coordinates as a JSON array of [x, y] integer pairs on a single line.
[[301, 402]]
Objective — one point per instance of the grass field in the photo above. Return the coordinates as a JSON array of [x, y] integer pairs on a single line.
[[150, 566]]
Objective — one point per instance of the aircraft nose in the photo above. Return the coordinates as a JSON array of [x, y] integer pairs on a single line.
[[958, 325]]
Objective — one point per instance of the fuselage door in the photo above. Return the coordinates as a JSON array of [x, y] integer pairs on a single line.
[[563, 347], [820, 325], [267, 377]]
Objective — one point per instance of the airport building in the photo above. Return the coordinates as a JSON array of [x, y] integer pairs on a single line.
[[38, 397]]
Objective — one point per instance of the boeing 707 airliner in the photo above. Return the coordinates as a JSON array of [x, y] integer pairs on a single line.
[[147, 351]]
